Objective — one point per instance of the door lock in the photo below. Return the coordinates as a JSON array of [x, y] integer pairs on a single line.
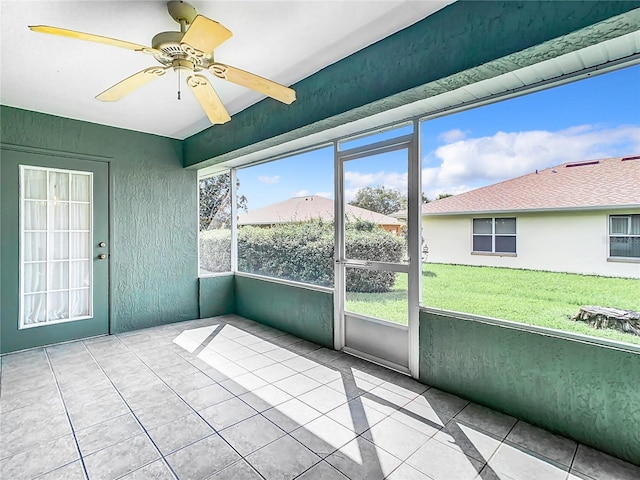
[[102, 256], [102, 244]]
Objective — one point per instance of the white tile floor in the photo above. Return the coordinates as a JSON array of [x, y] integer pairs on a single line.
[[227, 398]]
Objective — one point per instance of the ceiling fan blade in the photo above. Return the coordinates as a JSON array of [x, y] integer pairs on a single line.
[[203, 36], [208, 99], [93, 38], [254, 82], [131, 83]]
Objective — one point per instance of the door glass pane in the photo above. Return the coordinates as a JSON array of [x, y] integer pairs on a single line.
[[35, 247], [80, 216], [79, 245], [59, 215], [80, 273], [79, 302], [34, 308], [80, 187], [378, 294], [35, 215], [59, 246], [58, 275], [35, 277], [58, 186], [58, 306], [35, 184], [375, 195], [53, 230]]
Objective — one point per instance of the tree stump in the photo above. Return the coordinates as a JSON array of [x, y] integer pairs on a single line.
[[626, 321]]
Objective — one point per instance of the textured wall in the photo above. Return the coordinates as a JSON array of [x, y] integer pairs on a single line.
[[583, 391], [302, 312], [153, 207], [430, 57], [217, 296]]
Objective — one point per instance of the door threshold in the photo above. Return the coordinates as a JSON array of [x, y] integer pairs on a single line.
[[377, 360]]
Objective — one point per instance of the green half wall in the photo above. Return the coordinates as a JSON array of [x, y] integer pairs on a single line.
[[583, 391]]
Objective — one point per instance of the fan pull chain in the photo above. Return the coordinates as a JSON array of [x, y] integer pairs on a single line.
[[178, 84]]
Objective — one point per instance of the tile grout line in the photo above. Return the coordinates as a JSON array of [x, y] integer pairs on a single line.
[[134, 416], [66, 412], [234, 396], [573, 459], [319, 362], [193, 409]]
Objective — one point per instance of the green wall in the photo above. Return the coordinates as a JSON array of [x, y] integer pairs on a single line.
[[463, 43], [583, 391], [153, 200], [216, 295], [299, 311]]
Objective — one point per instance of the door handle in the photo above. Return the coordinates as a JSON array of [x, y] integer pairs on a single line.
[[102, 256]]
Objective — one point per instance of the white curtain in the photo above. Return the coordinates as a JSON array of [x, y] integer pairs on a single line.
[[57, 261]]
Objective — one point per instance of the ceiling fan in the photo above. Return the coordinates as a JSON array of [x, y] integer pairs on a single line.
[[188, 52]]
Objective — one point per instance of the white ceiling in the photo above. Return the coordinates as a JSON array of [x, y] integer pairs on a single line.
[[285, 41]]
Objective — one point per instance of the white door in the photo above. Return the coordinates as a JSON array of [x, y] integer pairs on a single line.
[[377, 254]]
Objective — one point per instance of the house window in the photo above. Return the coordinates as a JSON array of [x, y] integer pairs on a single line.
[[624, 236], [494, 235]]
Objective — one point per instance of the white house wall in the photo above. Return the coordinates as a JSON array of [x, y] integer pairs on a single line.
[[573, 242]]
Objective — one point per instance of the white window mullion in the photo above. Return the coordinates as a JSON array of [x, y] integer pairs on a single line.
[[48, 256]]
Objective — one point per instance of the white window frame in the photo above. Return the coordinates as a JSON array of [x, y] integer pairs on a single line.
[[493, 236], [47, 261], [618, 235]]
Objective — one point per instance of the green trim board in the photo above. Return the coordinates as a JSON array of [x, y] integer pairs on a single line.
[[538, 378], [216, 295], [461, 44], [303, 312], [153, 204]]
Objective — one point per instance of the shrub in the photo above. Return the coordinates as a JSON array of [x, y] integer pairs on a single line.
[[303, 252], [215, 250]]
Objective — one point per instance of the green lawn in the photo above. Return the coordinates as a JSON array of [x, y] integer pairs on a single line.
[[539, 298]]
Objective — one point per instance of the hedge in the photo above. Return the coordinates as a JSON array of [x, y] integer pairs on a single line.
[[303, 252]]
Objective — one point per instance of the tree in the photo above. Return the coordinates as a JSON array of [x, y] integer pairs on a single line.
[[444, 195], [215, 202], [380, 199]]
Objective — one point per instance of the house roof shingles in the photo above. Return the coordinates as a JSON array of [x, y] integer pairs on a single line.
[[301, 209], [609, 182]]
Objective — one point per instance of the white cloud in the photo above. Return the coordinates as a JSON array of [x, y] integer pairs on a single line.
[[358, 180], [451, 136], [300, 193], [269, 180], [324, 194], [507, 155], [354, 181]]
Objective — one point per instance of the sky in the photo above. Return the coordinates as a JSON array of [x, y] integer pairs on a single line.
[[597, 117]]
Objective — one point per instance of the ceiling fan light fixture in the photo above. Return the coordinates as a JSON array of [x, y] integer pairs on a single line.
[[183, 66]]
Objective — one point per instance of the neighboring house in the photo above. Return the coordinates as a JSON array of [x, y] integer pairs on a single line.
[[303, 209], [577, 217]]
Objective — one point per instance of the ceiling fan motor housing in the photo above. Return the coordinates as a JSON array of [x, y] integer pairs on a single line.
[[172, 48]]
